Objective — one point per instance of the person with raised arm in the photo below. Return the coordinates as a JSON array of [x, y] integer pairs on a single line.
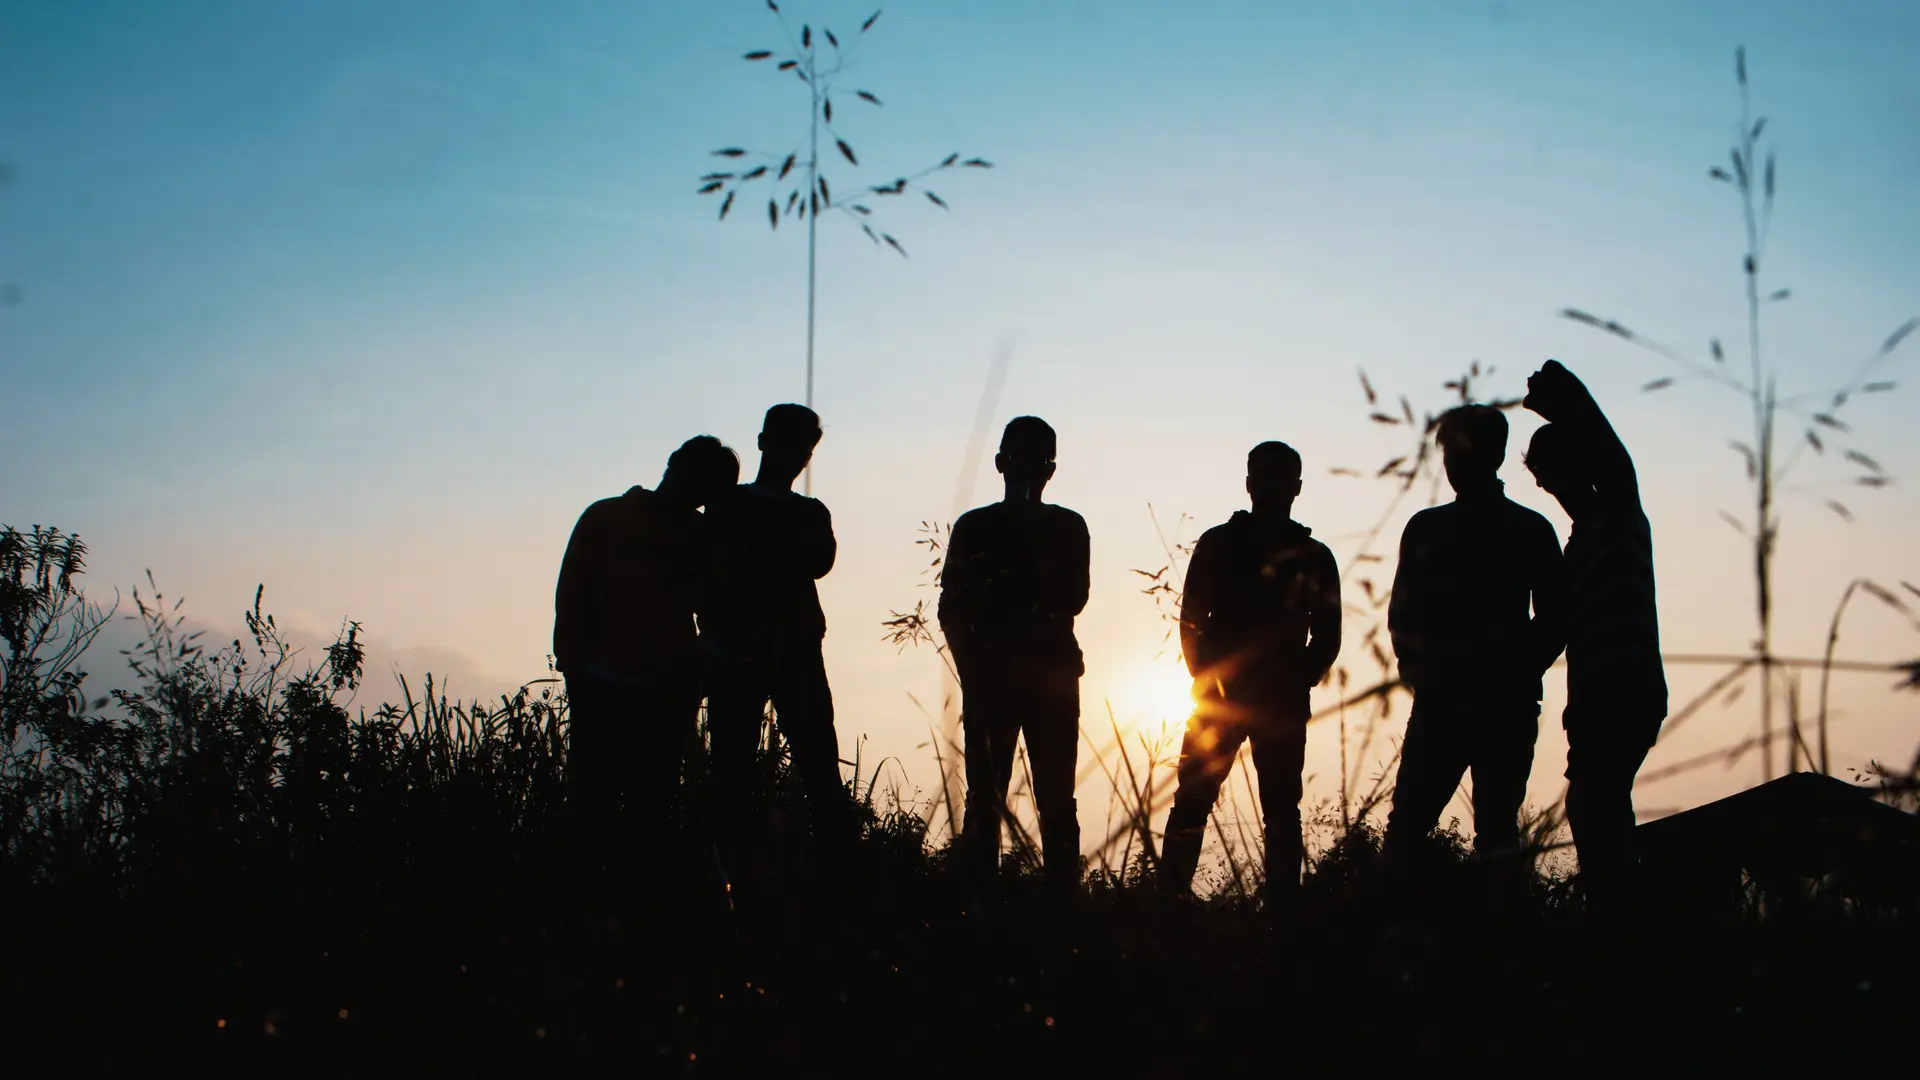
[[1616, 682]]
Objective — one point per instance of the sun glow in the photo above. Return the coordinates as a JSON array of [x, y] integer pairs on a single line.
[[1153, 695]]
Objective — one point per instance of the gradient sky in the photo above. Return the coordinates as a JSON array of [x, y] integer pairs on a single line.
[[365, 301]]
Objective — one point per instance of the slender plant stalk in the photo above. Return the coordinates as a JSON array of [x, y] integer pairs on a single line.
[[1767, 462], [1761, 391], [802, 59], [813, 228], [1346, 819]]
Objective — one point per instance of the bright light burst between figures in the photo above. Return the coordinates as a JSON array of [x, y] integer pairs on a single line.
[[1154, 695]]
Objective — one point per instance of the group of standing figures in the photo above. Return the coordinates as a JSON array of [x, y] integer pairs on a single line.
[[659, 606]]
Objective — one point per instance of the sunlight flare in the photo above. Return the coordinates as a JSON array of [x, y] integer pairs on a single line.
[[1156, 694]]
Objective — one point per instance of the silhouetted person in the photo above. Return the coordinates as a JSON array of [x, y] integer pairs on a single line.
[[765, 627], [623, 635], [1260, 627], [1616, 685], [1015, 577], [1468, 646]]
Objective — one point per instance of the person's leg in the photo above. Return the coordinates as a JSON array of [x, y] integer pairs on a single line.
[[1502, 749], [1052, 729], [1279, 755], [671, 709], [736, 706], [595, 798], [1206, 757], [990, 726], [1604, 753], [803, 706], [1433, 757]]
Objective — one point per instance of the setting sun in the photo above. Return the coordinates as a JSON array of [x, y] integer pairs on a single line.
[[1155, 693]]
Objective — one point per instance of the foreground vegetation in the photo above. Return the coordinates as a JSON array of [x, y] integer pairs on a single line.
[[227, 871]]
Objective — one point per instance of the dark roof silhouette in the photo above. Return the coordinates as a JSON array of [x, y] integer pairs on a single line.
[[1802, 825]]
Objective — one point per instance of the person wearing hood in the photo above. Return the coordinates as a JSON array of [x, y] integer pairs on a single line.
[[1259, 627], [1476, 621], [1616, 681]]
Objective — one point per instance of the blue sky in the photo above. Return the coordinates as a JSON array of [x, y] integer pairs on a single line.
[[365, 301]]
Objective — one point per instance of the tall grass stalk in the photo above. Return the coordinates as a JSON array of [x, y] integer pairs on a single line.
[[818, 61], [1816, 414]]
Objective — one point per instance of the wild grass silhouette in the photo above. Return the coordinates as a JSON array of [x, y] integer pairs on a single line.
[[1771, 459], [233, 867]]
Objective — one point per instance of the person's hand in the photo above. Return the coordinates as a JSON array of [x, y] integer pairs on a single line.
[[1551, 389]]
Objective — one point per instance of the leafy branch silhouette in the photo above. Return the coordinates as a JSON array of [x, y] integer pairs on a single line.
[[819, 61]]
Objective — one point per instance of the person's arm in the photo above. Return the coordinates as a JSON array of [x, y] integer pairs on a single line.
[[1547, 631], [1196, 606], [959, 598], [1076, 577], [1323, 624], [1406, 609], [1560, 397], [572, 597], [815, 545]]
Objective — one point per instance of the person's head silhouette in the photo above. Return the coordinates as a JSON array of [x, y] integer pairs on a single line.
[[1473, 443], [1273, 478], [787, 438], [1558, 467], [1025, 460], [699, 472]]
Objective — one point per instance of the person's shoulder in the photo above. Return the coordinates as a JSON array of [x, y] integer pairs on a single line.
[[1318, 548], [1432, 516], [730, 514], [1064, 517], [614, 506], [779, 501], [1227, 531], [1526, 517], [979, 515]]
